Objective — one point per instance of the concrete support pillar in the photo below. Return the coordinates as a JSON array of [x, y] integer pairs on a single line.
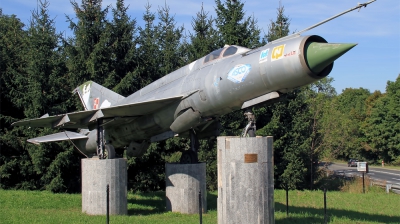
[[183, 183], [245, 180], [96, 174]]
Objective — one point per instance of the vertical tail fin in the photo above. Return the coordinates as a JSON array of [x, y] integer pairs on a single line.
[[94, 96]]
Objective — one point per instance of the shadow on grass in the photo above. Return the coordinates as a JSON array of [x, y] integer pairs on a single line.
[[147, 203], [351, 215], [212, 201], [155, 203]]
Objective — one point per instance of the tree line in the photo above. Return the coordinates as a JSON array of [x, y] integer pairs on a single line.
[[39, 68]]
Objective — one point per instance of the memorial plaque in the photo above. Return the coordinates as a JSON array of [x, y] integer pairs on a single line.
[[250, 158]]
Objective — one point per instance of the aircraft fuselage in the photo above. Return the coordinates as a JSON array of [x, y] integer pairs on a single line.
[[219, 86]]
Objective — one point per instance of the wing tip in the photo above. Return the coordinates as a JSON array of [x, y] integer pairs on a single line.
[[33, 141]]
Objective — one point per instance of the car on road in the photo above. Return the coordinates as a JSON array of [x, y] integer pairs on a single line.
[[352, 162]]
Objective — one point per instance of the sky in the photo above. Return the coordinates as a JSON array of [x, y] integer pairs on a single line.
[[376, 29]]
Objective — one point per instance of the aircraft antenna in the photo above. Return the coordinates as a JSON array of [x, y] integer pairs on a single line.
[[359, 6]]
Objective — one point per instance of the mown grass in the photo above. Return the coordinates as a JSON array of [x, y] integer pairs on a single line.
[[304, 207], [307, 207], [46, 207]]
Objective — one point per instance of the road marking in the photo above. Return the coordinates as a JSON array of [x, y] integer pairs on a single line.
[[395, 179], [387, 172]]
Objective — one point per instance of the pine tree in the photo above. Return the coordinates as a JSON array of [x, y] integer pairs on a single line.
[[278, 28], [88, 50], [12, 49], [148, 50], [44, 84], [233, 27], [123, 47], [169, 41], [40, 89], [204, 38], [47, 92]]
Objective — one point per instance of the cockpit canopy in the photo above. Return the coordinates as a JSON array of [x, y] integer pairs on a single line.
[[226, 51]]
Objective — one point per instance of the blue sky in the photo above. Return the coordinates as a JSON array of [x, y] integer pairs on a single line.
[[376, 29]]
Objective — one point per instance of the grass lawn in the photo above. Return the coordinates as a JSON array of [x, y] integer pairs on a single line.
[[304, 207]]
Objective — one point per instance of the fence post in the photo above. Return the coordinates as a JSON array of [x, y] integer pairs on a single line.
[[325, 218], [388, 187], [363, 184], [287, 202], [200, 208], [108, 203]]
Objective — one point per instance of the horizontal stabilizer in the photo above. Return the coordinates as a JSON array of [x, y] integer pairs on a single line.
[[61, 136]]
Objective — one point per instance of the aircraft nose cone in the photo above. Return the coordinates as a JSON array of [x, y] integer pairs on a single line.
[[319, 55]]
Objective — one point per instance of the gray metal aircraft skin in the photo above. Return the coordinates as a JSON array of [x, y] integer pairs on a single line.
[[190, 98]]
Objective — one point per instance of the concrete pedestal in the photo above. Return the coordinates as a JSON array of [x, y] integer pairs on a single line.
[[183, 183], [96, 174], [245, 180]]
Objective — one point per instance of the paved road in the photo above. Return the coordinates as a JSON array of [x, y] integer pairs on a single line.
[[379, 174]]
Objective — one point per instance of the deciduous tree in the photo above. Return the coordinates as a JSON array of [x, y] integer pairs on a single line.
[[383, 125]]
